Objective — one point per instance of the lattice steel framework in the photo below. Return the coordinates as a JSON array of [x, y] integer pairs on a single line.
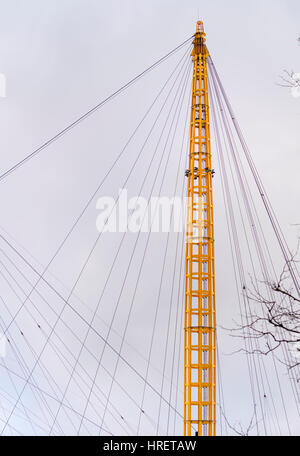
[[200, 322]]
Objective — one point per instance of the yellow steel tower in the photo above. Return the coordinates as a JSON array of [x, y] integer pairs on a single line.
[[200, 322]]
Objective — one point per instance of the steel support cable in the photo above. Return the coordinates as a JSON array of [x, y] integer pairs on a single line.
[[284, 348], [90, 112], [246, 150], [46, 393], [22, 405], [249, 214], [76, 336], [225, 184], [8, 398], [155, 318], [252, 203], [219, 403], [257, 367], [185, 74], [235, 265], [251, 222], [221, 392], [181, 292], [119, 248], [68, 349], [62, 404], [52, 259], [62, 357], [256, 281], [239, 273], [13, 428], [33, 385], [177, 329], [174, 270], [269, 412], [260, 254], [42, 366], [179, 105], [67, 301], [271, 293], [107, 174], [94, 330], [2, 409], [185, 133], [20, 416], [231, 230], [265, 272], [248, 305], [124, 184], [104, 322], [270, 212], [265, 275], [148, 238], [97, 189], [22, 365], [39, 275], [48, 375], [81, 317], [16, 390], [167, 341], [261, 378], [20, 330], [175, 358], [116, 417], [255, 211]]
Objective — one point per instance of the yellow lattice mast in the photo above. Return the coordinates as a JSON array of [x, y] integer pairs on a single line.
[[200, 322]]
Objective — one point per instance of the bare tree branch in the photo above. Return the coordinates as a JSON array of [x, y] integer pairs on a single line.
[[238, 428], [273, 320]]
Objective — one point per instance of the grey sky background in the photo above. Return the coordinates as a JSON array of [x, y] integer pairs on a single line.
[[60, 58]]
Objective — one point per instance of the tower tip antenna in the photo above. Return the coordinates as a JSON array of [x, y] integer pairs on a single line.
[[199, 27], [199, 40]]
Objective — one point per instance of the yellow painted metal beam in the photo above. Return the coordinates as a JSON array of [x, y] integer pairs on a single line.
[[200, 321]]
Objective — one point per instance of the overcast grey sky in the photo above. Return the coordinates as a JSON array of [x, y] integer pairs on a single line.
[[60, 58]]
